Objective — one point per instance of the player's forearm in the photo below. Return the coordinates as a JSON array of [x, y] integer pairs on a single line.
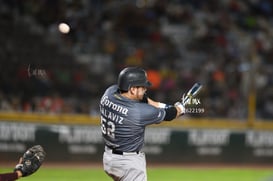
[[171, 113], [9, 176], [179, 109], [154, 103]]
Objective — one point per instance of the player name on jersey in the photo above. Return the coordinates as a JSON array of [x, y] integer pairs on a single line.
[[114, 117]]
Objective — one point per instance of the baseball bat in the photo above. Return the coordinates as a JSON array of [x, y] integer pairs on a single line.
[[195, 89]]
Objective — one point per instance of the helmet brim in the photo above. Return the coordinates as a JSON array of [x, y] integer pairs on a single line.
[[146, 84]]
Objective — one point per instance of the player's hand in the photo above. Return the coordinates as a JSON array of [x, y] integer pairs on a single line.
[[180, 108]]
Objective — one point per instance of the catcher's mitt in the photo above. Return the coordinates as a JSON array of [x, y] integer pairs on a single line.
[[31, 160]]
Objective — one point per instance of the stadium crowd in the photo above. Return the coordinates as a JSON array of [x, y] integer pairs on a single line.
[[224, 44]]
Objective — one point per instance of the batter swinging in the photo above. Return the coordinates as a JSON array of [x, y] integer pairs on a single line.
[[125, 112]]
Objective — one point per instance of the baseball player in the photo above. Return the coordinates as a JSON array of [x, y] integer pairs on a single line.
[[28, 164], [125, 112]]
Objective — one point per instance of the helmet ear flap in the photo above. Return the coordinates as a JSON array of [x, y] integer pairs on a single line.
[[132, 76]]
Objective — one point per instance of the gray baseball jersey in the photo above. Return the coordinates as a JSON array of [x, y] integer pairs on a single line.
[[123, 121]]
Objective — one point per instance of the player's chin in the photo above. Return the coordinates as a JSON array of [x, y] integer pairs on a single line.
[[140, 97]]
